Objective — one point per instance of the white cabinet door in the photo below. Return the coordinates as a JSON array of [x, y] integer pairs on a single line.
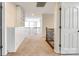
[[70, 28]]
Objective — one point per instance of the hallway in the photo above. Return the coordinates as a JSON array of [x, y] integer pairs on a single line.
[[34, 46]]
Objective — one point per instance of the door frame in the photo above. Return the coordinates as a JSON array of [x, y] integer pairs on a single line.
[[4, 31], [1, 29], [60, 30]]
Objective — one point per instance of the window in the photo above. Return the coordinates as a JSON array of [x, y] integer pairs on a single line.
[[32, 22], [33, 25]]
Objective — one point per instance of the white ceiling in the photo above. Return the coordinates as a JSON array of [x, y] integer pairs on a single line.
[[30, 7]]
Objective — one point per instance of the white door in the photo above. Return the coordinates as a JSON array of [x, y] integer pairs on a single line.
[[70, 28]]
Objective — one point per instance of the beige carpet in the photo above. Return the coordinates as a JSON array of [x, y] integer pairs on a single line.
[[34, 46]]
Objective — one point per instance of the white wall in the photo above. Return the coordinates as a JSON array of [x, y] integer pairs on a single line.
[[10, 21], [14, 15], [20, 35], [10, 39], [9, 18], [10, 14], [47, 21], [15, 36], [56, 29], [20, 17], [53, 21]]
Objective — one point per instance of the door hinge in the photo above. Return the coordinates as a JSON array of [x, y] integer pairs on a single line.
[[59, 8], [1, 47], [59, 45], [60, 27]]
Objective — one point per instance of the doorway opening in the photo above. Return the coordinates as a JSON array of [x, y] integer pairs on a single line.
[[33, 25], [27, 28]]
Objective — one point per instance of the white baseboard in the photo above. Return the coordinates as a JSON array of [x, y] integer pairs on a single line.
[[12, 50], [57, 51], [18, 45], [69, 51], [4, 53]]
